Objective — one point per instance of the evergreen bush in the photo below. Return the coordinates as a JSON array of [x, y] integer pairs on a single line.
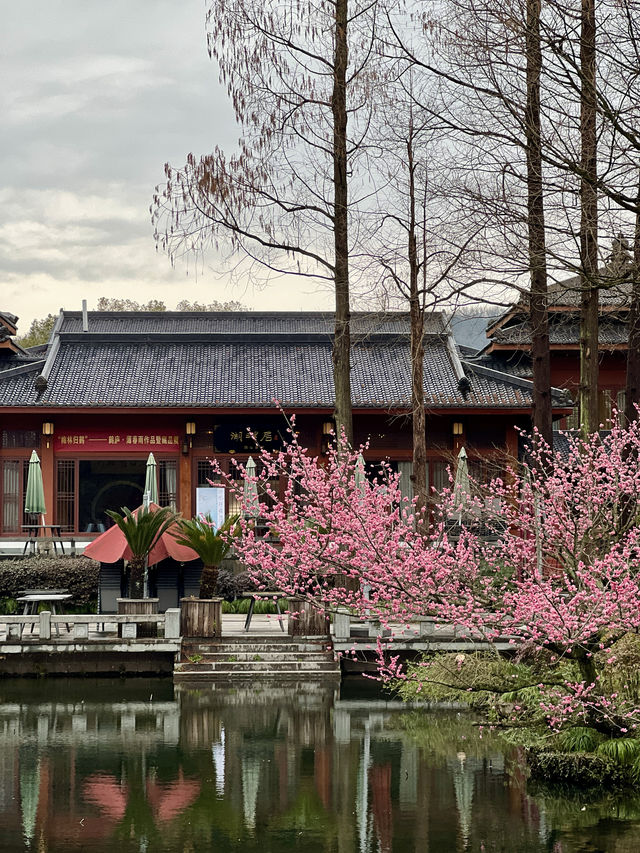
[[77, 574]]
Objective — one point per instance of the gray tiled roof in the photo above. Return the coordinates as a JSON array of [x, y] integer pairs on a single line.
[[566, 294], [246, 323], [18, 359], [563, 329], [8, 319], [515, 364], [613, 292], [222, 374]]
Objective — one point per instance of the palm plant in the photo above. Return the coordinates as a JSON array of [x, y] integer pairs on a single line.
[[210, 544], [141, 531]]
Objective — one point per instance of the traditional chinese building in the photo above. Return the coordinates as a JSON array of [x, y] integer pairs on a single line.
[[111, 387], [509, 343]]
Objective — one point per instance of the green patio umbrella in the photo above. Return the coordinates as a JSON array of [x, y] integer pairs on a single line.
[[250, 495], [34, 496], [151, 480]]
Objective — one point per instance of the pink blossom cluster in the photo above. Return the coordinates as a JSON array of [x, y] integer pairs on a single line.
[[559, 574]]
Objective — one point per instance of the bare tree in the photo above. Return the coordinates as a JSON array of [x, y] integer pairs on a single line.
[[551, 128], [607, 81], [487, 58], [298, 77], [589, 303], [414, 246], [538, 303]]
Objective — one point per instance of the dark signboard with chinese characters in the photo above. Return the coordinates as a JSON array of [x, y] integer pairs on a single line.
[[243, 437], [116, 441]]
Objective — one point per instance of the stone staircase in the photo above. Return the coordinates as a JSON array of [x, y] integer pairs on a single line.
[[257, 657]]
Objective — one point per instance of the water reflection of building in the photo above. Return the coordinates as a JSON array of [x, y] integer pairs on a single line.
[[243, 769]]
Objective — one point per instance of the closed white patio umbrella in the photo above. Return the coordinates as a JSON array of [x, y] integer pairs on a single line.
[[250, 494], [151, 480]]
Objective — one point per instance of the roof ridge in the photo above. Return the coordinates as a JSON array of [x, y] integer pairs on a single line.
[[235, 314], [25, 367]]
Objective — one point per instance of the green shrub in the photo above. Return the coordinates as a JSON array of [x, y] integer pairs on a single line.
[[579, 739], [241, 605], [8, 606], [582, 769], [77, 574]]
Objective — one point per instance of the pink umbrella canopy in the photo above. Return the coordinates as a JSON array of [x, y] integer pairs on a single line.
[[111, 546]]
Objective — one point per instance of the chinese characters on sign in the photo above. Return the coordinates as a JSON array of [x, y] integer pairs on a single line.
[[72, 439], [247, 439], [112, 440]]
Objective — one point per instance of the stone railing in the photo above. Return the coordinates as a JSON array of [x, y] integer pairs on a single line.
[[78, 625]]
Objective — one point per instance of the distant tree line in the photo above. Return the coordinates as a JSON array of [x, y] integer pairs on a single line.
[[40, 329]]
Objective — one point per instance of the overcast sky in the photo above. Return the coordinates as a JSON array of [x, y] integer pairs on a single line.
[[95, 97]]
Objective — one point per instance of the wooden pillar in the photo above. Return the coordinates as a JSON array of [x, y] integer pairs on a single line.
[[512, 443], [47, 463], [185, 491]]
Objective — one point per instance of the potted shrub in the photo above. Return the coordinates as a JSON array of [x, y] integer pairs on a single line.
[[202, 616], [141, 531]]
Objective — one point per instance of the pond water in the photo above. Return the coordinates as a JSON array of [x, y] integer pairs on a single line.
[[106, 766]]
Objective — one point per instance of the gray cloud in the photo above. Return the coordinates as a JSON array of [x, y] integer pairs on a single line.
[[96, 97]]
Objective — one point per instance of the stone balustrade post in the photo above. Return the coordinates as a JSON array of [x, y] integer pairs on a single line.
[[45, 625], [172, 623]]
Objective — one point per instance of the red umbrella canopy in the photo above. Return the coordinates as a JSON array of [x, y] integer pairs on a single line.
[[111, 546]]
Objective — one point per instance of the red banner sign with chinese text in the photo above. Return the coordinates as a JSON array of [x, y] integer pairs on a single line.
[[112, 441]]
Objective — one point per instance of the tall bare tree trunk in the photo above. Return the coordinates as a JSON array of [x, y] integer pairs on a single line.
[[632, 388], [342, 339], [416, 312], [538, 305], [588, 391]]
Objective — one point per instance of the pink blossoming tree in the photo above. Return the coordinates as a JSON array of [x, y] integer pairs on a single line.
[[558, 573]]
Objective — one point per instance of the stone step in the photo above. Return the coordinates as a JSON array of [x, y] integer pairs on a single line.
[[260, 654], [307, 691], [273, 666], [248, 675], [278, 639], [252, 648], [259, 666]]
